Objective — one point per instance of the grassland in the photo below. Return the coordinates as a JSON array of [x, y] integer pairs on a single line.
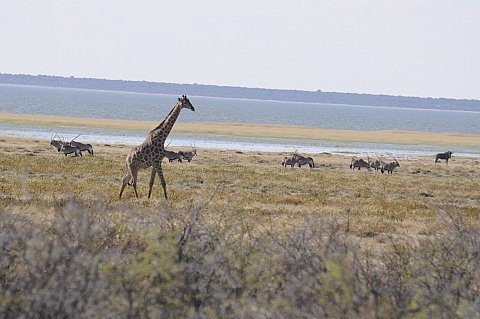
[[255, 130], [240, 237], [254, 185]]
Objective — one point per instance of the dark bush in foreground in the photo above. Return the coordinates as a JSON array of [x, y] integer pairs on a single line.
[[110, 262]]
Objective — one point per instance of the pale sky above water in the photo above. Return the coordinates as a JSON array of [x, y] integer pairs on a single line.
[[398, 47]]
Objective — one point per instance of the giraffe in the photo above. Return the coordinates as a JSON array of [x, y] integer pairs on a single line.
[[152, 151]]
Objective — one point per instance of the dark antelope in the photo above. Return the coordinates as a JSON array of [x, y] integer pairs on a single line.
[[377, 164], [443, 156], [67, 149], [56, 143], [390, 166], [302, 160], [173, 156], [189, 155], [82, 146], [359, 164], [288, 161]]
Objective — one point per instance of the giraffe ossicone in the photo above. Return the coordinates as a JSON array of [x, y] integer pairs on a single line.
[[152, 151]]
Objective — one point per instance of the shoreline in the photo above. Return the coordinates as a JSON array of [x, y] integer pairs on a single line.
[[255, 130]]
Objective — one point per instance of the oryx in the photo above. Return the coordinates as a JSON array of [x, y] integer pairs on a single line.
[[289, 161], [444, 156], [173, 156], [67, 149], [190, 154], [56, 143], [82, 146], [377, 164], [390, 166], [359, 163], [302, 160]]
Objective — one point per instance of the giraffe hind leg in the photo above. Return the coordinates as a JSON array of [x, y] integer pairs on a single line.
[[162, 181], [152, 180], [124, 183]]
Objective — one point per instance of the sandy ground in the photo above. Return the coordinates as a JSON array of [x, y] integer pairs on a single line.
[[256, 130]]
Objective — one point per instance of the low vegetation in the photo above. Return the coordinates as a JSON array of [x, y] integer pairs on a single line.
[[241, 237]]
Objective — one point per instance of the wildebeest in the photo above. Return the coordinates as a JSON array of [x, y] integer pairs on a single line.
[[67, 149], [444, 156], [359, 163]]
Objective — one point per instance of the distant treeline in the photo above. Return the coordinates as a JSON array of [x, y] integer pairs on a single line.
[[242, 92]]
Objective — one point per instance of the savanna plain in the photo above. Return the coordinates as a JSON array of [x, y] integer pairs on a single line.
[[240, 237]]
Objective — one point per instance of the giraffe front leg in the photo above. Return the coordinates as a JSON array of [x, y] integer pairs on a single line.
[[162, 181], [152, 179]]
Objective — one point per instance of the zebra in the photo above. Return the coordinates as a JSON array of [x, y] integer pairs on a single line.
[[67, 149], [359, 163], [302, 160], [189, 155], [82, 147], [172, 156], [444, 156], [289, 161]]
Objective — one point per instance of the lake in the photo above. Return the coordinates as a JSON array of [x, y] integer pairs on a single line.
[[136, 106]]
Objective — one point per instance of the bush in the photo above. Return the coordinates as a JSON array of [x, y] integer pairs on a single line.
[[123, 261]]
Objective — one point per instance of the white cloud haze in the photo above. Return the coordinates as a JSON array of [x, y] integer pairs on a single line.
[[417, 48]]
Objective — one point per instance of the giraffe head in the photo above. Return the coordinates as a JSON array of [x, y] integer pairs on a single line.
[[185, 103]]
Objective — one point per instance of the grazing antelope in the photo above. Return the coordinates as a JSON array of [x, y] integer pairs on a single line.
[[377, 164], [173, 156], [302, 160], [67, 149], [359, 163], [56, 143], [390, 166], [444, 156], [82, 146], [289, 161], [189, 155], [152, 151]]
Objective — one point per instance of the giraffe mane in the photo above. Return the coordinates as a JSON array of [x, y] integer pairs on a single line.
[[161, 124]]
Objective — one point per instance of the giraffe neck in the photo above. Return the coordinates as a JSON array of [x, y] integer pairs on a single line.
[[160, 133]]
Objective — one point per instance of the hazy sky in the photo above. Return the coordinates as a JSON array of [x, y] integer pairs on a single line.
[[400, 47]]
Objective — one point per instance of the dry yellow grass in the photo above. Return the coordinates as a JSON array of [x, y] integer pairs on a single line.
[[252, 186], [259, 130]]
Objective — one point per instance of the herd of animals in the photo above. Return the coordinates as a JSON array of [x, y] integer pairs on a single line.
[[377, 165], [152, 151]]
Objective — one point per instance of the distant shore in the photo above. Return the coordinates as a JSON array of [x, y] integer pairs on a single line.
[[257, 130], [206, 90]]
